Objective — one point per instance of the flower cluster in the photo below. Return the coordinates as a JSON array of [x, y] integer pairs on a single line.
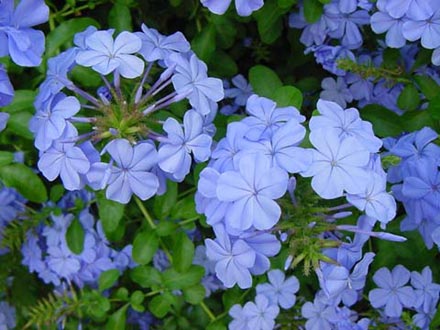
[[248, 171], [244, 7], [416, 182], [128, 148], [393, 293], [46, 250]]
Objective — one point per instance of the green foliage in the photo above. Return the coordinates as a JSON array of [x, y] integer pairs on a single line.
[[183, 252], [117, 319], [270, 21], [119, 17], [107, 279], [145, 246], [312, 10], [25, 181], [409, 99], [264, 81], [63, 33], [288, 96], [384, 121], [161, 305], [110, 213], [204, 43], [75, 236]]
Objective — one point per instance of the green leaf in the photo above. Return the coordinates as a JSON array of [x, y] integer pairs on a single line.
[[174, 280], [264, 81], [225, 30], [137, 297], [25, 181], [194, 294], [6, 158], [286, 4], [64, 33], [184, 209], [428, 86], [204, 43], [117, 319], [312, 10], [56, 192], [96, 304], [161, 305], [269, 22], [119, 17], [86, 77], [217, 325], [385, 122], [288, 96], [434, 107], [222, 64], [75, 236], [110, 213], [19, 124], [107, 279], [166, 228], [408, 99], [136, 300], [415, 120], [23, 101], [145, 246], [163, 204], [146, 276], [183, 252], [435, 323]]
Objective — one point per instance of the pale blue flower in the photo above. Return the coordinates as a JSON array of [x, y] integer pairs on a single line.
[[106, 55], [279, 290], [392, 292]]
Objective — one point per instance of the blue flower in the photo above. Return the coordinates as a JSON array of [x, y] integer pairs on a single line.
[[106, 55], [319, 314], [50, 122], [337, 165], [233, 259], [7, 316], [239, 319], [336, 91], [244, 7], [426, 291], [279, 290], [190, 79], [376, 202], [66, 160], [424, 27], [346, 123], [6, 89], [174, 152], [382, 22], [265, 118], [17, 38], [156, 46], [281, 149], [132, 175], [241, 92], [343, 21], [392, 292], [260, 314], [251, 191]]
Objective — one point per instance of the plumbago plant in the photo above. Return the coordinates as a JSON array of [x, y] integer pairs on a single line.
[[237, 165]]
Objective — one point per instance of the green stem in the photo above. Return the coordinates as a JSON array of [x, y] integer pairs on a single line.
[[187, 192], [145, 213], [208, 311], [150, 221], [184, 222]]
